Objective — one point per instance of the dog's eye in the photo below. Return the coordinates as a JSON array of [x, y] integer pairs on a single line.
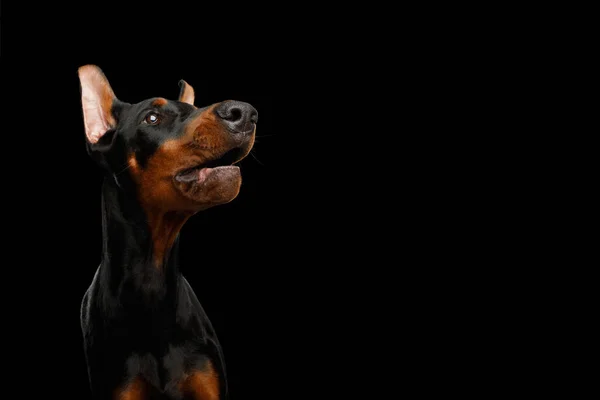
[[152, 119]]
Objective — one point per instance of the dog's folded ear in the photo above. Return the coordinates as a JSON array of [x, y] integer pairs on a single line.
[[186, 93], [97, 98]]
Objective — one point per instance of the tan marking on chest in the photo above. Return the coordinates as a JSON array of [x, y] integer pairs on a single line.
[[201, 384], [134, 390]]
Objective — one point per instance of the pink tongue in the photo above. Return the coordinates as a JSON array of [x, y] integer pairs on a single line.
[[204, 172]]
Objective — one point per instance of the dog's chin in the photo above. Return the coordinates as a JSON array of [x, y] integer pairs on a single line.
[[207, 187]]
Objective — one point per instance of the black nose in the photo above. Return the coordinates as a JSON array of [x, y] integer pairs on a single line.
[[238, 116]]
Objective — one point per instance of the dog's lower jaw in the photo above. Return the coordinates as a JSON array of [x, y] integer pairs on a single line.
[[210, 186]]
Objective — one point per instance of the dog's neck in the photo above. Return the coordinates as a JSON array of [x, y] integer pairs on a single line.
[[138, 244]]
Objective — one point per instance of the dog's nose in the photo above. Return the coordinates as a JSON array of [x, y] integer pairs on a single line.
[[240, 117]]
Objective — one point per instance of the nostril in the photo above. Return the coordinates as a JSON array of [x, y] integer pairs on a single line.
[[254, 116], [231, 113], [235, 114]]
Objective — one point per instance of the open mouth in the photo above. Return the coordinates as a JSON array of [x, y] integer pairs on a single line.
[[200, 173]]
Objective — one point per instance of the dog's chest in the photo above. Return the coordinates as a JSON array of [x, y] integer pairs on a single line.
[[163, 373]]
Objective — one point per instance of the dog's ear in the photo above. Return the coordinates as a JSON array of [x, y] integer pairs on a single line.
[[97, 98], [186, 93]]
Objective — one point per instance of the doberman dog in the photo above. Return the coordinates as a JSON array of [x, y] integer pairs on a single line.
[[145, 334]]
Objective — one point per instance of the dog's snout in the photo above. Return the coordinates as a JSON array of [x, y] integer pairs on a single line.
[[240, 117]]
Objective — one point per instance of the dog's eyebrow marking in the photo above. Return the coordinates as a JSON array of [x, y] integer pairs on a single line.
[[159, 102], [133, 164]]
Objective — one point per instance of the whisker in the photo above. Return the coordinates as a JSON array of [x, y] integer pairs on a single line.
[[254, 156], [124, 169]]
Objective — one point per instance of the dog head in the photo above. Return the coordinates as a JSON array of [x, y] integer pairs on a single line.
[[171, 154]]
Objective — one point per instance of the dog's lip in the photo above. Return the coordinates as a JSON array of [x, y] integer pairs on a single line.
[[242, 134], [189, 174], [200, 174], [199, 171], [246, 132]]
